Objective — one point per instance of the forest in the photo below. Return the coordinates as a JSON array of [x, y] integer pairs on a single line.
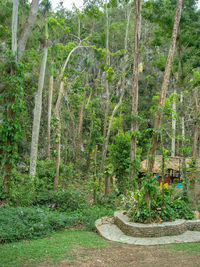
[[99, 111]]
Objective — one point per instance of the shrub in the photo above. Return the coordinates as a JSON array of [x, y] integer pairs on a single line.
[[160, 209], [62, 200], [26, 223]]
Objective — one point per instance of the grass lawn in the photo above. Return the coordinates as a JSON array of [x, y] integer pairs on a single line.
[[76, 246], [51, 249]]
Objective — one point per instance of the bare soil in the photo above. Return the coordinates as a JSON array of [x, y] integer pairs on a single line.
[[122, 255]]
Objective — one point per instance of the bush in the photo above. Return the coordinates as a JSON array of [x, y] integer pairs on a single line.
[[26, 223], [62, 200], [30, 223], [89, 216], [168, 209]]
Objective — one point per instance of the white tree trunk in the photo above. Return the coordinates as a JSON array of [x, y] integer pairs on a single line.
[[135, 77], [14, 27], [27, 28], [37, 115]]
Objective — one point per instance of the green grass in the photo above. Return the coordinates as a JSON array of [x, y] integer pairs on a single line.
[[186, 247], [51, 249]]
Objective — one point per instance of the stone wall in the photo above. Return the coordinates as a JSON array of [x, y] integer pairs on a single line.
[[154, 230]]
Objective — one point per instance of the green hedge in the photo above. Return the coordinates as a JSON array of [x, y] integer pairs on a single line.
[[28, 223]]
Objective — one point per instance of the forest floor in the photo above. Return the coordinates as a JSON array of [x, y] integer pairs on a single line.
[[121, 255]]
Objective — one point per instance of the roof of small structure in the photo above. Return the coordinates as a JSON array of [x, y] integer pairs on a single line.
[[173, 163]]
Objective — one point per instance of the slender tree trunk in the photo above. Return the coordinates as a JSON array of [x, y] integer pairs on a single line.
[[27, 27], [79, 130], [56, 112], [10, 114], [14, 27], [174, 124], [49, 113], [58, 134], [107, 104], [37, 114], [134, 110], [58, 147], [196, 123], [95, 174], [164, 87], [182, 122]]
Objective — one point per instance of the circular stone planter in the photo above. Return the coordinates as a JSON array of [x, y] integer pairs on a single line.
[[152, 230]]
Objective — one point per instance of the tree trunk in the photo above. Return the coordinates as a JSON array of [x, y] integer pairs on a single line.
[[95, 174], [182, 122], [58, 135], [49, 114], [164, 87], [107, 104], [10, 114], [14, 28], [27, 27], [134, 110], [174, 124], [79, 130], [37, 114], [196, 123]]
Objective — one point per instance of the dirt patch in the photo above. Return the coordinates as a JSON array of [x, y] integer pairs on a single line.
[[122, 255]]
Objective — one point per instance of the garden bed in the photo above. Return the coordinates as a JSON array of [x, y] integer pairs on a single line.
[[176, 227]]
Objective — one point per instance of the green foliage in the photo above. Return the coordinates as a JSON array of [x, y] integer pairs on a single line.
[[29, 223], [163, 207], [61, 200], [120, 158], [26, 223], [12, 104]]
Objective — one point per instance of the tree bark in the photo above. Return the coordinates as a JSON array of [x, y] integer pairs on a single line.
[[79, 130], [27, 28], [182, 122], [134, 110], [49, 113], [107, 103], [37, 114], [196, 123], [174, 124], [58, 144], [14, 27], [157, 122]]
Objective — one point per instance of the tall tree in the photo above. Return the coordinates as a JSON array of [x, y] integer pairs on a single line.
[[107, 103], [157, 122], [38, 108], [51, 80], [10, 99], [122, 87], [196, 123], [134, 110]]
